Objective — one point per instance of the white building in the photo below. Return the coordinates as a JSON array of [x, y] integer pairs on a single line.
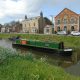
[[3, 30], [48, 29]]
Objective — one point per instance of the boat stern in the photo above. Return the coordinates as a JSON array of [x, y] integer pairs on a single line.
[[66, 52]]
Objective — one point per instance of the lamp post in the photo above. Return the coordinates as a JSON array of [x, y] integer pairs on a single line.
[[52, 19]]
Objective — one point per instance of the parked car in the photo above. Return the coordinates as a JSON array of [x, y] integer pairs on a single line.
[[62, 33], [75, 33]]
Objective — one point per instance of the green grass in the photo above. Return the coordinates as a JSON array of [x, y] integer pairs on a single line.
[[16, 66], [69, 41]]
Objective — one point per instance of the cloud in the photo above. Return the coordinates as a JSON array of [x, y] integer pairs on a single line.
[[32, 7], [11, 7], [15, 7]]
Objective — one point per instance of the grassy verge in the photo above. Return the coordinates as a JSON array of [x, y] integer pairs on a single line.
[[69, 41], [15, 66]]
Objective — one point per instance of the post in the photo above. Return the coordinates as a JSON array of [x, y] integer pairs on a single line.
[[74, 57]]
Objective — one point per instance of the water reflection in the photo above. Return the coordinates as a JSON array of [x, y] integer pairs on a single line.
[[6, 43]]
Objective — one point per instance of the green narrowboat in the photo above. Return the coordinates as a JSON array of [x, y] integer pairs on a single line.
[[47, 45]]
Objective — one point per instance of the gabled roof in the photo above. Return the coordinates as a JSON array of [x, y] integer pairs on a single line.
[[68, 10], [47, 21]]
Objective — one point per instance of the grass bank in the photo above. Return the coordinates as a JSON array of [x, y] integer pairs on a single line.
[[16, 66], [69, 41]]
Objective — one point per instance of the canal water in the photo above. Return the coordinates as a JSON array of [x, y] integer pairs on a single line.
[[70, 64]]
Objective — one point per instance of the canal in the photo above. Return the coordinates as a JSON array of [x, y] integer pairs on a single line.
[[70, 64]]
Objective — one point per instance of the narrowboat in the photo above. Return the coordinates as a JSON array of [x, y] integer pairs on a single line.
[[45, 45]]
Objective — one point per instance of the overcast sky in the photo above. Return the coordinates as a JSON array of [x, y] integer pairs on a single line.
[[16, 9]]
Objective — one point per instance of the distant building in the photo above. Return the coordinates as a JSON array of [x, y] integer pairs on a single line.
[[3, 30], [12, 28], [0, 27], [35, 24], [8, 29], [17, 27], [67, 20]]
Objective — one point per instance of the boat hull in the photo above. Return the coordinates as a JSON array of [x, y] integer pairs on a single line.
[[57, 51]]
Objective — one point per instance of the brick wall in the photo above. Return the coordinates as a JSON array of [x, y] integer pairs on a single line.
[[67, 20]]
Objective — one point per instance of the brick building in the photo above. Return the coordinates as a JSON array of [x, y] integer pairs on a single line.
[[16, 27], [67, 20]]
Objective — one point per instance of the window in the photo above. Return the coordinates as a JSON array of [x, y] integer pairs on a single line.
[[25, 25], [58, 28], [65, 21], [34, 24], [33, 30], [73, 20], [58, 22], [65, 28], [29, 24], [72, 28], [47, 30]]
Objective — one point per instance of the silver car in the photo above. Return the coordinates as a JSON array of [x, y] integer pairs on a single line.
[[75, 33], [62, 33]]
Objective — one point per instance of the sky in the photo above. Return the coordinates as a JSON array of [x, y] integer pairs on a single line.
[[15, 10]]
